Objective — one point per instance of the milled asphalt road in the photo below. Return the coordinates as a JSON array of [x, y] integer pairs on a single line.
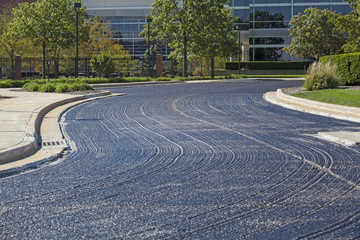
[[190, 161]]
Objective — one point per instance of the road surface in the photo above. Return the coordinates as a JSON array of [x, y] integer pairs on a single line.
[[190, 161]]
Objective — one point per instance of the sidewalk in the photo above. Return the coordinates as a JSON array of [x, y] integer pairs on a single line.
[[29, 120]]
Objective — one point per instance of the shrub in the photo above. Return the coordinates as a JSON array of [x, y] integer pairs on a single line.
[[102, 64], [348, 67], [233, 76], [47, 87], [267, 65], [62, 87], [32, 86], [163, 79], [79, 87], [6, 84], [321, 76]]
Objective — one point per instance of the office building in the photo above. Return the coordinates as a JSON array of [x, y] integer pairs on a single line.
[[267, 22]]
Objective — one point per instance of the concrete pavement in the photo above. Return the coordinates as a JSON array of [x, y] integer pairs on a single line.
[[29, 128]]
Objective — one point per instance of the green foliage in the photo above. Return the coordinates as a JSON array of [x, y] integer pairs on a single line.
[[200, 28], [148, 63], [102, 64], [6, 84], [47, 87], [57, 86], [80, 87], [267, 65], [314, 34], [50, 23], [321, 76], [348, 67], [62, 87], [32, 86], [233, 76], [214, 34], [163, 79]]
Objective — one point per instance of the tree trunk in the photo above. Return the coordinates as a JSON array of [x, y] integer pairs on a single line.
[[44, 60], [185, 57], [12, 64], [212, 67]]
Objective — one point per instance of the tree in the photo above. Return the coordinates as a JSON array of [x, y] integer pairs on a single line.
[[214, 33], [350, 26], [102, 64], [148, 63], [9, 45], [172, 24], [314, 34], [50, 23], [193, 27]]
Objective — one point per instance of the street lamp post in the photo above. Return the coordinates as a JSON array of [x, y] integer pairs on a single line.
[[238, 28], [148, 20], [77, 6], [48, 65]]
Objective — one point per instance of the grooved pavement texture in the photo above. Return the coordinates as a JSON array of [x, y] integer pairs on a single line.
[[190, 161]]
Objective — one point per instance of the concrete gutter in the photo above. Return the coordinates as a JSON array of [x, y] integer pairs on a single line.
[[53, 144], [31, 141]]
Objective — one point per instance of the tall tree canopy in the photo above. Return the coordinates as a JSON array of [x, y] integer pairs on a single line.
[[214, 33], [172, 24], [50, 23], [314, 34], [205, 28], [350, 25]]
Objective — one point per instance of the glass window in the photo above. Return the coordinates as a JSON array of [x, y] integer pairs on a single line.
[[241, 3], [272, 1], [272, 13], [265, 54], [270, 40], [311, 1], [242, 14], [345, 9]]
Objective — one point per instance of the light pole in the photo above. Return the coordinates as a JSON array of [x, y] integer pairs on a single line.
[[77, 6], [148, 20], [238, 28]]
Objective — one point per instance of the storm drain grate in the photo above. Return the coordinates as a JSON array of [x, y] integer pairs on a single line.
[[53, 143]]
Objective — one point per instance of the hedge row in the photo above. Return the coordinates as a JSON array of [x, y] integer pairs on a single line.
[[267, 65], [21, 83], [348, 67]]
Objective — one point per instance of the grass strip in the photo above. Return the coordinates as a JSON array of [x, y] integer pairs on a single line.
[[335, 96]]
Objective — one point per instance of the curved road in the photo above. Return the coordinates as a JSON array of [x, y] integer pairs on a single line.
[[190, 161]]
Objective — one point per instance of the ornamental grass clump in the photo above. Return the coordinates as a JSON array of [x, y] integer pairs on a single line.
[[321, 76]]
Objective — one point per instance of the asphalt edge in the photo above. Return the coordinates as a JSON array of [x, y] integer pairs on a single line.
[[313, 107], [30, 144]]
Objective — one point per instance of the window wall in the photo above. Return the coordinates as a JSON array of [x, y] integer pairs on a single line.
[[269, 23], [267, 20]]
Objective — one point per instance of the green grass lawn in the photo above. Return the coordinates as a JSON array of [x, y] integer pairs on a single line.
[[274, 76], [334, 96]]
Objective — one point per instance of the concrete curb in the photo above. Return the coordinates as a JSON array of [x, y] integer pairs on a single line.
[[30, 143], [313, 107], [128, 84]]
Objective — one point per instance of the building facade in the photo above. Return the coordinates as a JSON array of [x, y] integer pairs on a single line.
[[264, 23], [127, 19], [269, 22]]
